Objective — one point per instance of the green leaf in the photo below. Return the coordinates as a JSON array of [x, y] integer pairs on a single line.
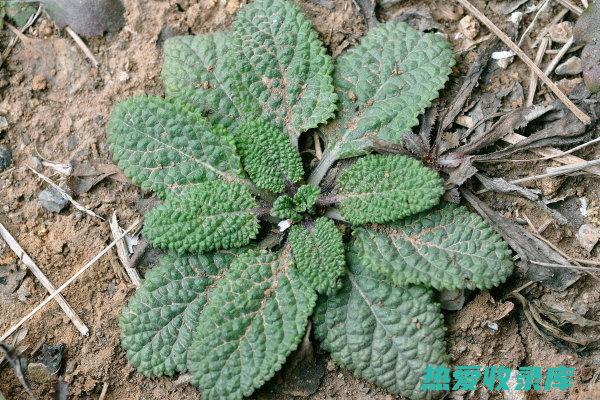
[[17, 12], [203, 71], [158, 322], [306, 197], [272, 65], [384, 84], [446, 248], [290, 74], [319, 254], [210, 216], [165, 146], [267, 155], [303, 201], [284, 208], [256, 316], [383, 333], [385, 188]]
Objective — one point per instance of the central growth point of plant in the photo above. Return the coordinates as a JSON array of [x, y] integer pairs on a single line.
[[256, 248]]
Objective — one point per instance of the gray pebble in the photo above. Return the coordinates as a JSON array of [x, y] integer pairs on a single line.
[[36, 163], [5, 158], [52, 201], [570, 67]]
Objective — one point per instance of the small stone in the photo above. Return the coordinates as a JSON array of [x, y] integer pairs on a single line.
[[469, 27], [51, 356], [330, 366], [3, 123], [39, 374], [39, 83], [5, 158], [561, 32], [111, 289], [570, 67], [122, 76], [36, 163], [587, 236], [52, 200], [567, 86], [72, 142]]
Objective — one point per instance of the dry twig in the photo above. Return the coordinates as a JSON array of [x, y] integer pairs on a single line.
[[570, 6], [533, 80], [62, 287], [558, 155], [122, 251], [550, 68], [25, 259], [86, 50], [583, 117], [533, 21], [104, 391]]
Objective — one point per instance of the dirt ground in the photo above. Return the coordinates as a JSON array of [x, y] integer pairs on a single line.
[[57, 106]]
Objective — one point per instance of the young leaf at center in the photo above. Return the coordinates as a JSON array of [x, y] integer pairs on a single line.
[[318, 252], [268, 155]]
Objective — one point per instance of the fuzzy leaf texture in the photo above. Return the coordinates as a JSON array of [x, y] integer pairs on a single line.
[[157, 324], [272, 65], [267, 155], [384, 333], [385, 188], [306, 197], [211, 216], [165, 146], [256, 316], [446, 248], [383, 85], [319, 254], [284, 208]]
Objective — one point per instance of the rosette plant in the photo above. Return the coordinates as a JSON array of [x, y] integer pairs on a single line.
[[233, 296]]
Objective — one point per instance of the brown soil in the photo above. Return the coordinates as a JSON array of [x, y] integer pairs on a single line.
[[57, 106]]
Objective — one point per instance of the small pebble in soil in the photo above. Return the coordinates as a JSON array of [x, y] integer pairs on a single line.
[[469, 27], [588, 236], [52, 200], [39, 83], [3, 123], [36, 163], [51, 356], [570, 67], [5, 158], [561, 32]]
